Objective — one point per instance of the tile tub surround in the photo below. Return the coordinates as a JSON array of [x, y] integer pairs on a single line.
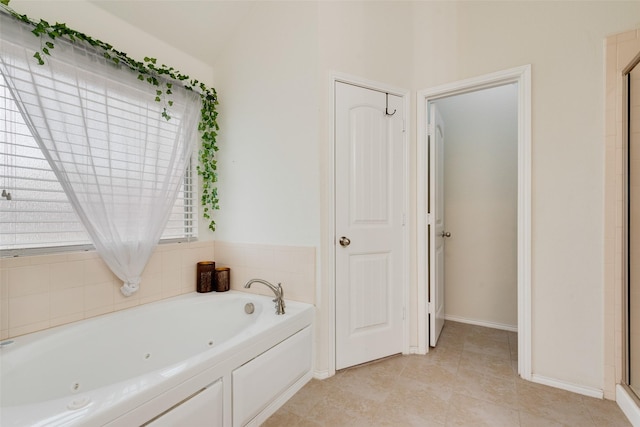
[[40, 292], [293, 266], [470, 379]]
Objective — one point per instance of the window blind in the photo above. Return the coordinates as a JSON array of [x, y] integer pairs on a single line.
[[35, 214]]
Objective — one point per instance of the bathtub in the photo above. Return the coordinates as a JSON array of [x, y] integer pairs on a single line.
[[196, 359]]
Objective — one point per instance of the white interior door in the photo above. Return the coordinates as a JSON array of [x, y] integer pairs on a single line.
[[437, 231], [369, 148]]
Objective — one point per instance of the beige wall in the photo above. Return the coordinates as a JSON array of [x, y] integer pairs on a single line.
[[480, 206], [567, 174], [268, 140], [39, 292], [415, 45], [418, 45]]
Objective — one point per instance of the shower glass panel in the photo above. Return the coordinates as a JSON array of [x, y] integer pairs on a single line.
[[633, 229]]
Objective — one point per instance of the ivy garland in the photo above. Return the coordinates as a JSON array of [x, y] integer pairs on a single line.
[[156, 75]]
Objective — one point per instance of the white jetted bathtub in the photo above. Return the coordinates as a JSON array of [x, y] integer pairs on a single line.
[[192, 360]]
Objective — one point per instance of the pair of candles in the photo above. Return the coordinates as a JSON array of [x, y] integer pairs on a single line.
[[209, 278]]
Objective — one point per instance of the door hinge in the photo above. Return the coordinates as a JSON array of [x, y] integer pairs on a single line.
[[428, 219], [404, 219], [429, 308], [404, 125], [404, 313], [430, 129]]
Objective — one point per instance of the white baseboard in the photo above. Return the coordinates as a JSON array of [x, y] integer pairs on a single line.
[[414, 350], [494, 325], [575, 388], [321, 375], [628, 405]]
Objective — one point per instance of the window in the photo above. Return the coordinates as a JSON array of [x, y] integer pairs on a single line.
[[35, 215]]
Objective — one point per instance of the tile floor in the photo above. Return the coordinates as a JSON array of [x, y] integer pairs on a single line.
[[470, 379]]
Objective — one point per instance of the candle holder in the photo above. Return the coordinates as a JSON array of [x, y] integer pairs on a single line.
[[205, 276], [223, 279]]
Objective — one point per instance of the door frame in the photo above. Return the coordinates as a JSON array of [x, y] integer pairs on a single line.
[[338, 77], [521, 76]]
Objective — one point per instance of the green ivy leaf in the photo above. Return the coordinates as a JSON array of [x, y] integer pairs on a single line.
[[149, 71], [39, 58]]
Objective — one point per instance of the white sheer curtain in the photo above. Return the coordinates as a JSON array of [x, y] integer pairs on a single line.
[[119, 161]]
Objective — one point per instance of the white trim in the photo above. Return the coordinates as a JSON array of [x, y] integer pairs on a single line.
[[321, 375], [421, 226], [628, 405], [368, 84], [335, 77], [406, 241], [329, 240], [574, 388], [414, 350], [494, 325], [521, 76]]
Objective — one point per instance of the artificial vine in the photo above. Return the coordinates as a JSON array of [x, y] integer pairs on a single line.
[[157, 75]]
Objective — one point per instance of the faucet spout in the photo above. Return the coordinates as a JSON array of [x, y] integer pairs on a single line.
[[277, 290]]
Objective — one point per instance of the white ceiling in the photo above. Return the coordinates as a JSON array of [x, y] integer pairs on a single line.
[[199, 28]]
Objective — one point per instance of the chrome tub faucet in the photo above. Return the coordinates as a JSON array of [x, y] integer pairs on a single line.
[[278, 291]]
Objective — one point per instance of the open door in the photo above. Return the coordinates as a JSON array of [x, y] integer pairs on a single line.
[[437, 232]]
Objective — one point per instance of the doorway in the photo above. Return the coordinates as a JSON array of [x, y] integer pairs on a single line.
[[480, 206], [520, 76]]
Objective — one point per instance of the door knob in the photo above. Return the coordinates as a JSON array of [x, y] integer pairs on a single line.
[[445, 234], [344, 241]]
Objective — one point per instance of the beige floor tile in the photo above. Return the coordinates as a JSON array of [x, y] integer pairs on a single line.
[[498, 390], [445, 358], [490, 333], [487, 345], [466, 411], [513, 345], [283, 418], [530, 420], [554, 404], [433, 375], [487, 364], [415, 403], [370, 384], [305, 422], [302, 402], [469, 379], [340, 407], [605, 413]]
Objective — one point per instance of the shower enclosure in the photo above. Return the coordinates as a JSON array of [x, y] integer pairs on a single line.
[[632, 127]]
